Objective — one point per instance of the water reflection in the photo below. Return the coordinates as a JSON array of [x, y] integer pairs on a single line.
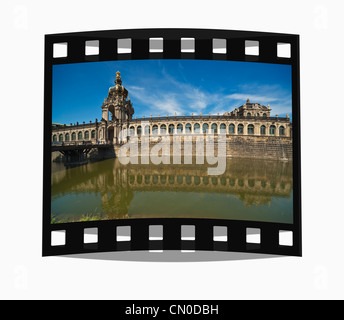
[[248, 190]]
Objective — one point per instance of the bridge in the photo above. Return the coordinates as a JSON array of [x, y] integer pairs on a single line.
[[76, 152]]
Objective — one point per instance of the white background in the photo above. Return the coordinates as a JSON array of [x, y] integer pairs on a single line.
[[24, 274]]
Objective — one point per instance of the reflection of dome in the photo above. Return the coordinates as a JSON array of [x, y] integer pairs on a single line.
[[118, 89]]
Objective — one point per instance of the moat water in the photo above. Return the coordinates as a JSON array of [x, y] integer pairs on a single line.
[[259, 190]]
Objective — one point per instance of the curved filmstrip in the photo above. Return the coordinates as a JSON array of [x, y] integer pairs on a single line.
[[168, 161]]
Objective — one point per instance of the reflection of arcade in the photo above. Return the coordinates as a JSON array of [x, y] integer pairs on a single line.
[[105, 177], [253, 184]]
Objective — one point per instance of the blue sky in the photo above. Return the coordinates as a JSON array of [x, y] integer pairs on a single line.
[[168, 86]]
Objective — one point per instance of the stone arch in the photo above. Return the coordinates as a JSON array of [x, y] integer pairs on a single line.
[[281, 131], [171, 128], [147, 129], [240, 128], [197, 128], [60, 137], [80, 135], [163, 129], [263, 130], [214, 127], [54, 138], [86, 135], [272, 130], [111, 134], [131, 131], [180, 128], [188, 128], [250, 129], [231, 128], [223, 128], [205, 127], [67, 136], [155, 129], [139, 130]]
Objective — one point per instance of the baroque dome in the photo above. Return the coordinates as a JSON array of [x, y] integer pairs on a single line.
[[118, 89]]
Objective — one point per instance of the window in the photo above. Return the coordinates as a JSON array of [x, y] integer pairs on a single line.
[[139, 130], [240, 129], [163, 129], [272, 130], [231, 128], [250, 129], [155, 129], [54, 138], [188, 128], [87, 135], [93, 134], [79, 135], [205, 127], [179, 128], [249, 115], [264, 115], [67, 137], [214, 127], [171, 128], [73, 136], [263, 130], [147, 130], [281, 131], [197, 128], [60, 137], [222, 128]]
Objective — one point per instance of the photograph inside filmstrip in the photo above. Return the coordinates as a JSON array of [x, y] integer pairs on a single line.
[[171, 139]]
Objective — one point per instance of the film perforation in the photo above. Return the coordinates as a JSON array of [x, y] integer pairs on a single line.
[[224, 237], [246, 49]]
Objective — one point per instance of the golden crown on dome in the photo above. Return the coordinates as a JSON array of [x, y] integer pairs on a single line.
[[118, 89]]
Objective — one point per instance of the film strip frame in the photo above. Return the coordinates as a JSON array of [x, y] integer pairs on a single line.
[[173, 234]]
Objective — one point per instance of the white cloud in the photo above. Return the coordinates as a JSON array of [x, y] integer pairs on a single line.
[[252, 97], [168, 95]]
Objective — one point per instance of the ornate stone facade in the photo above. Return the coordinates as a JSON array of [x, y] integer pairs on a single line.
[[249, 120]]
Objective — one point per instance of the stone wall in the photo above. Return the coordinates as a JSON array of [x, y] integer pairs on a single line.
[[266, 147], [260, 147], [57, 156]]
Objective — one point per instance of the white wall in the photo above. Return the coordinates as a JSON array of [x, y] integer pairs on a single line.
[[25, 274]]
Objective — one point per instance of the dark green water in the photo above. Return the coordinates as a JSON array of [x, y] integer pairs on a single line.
[[259, 190]]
